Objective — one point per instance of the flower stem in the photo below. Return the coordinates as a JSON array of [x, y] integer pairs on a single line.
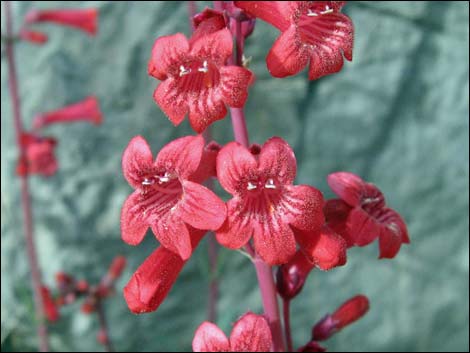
[[192, 11], [104, 326], [263, 271], [25, 195], [213, 253], [287, 330]]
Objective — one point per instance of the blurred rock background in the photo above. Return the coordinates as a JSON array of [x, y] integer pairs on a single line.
[[398, 115]]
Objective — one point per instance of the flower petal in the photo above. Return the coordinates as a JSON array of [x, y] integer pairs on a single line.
[[336, 215], [330, 35], [171, 100], [152, 281], [234, 85], [251, 333], [137, 161], [205, 108], [277, 13], [216, 46], [209, 338], [200, 207], [134, 222], [173, 234], [303, 207], [363, 228], [207, 22], [182, 155], [393, 234], [167, 54], [237, 229], [277, 160], [234, 164], [274, 240], [347, 186], [288, 56]]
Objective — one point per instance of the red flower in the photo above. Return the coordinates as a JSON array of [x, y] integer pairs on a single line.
[[351, 311], [312, 31], [34, 37], [38, 156], [312, 346], [83, 19], [165, 197], [195, 78], [50, 309], [152, 281], [265, 204], [250, 333], [86, 110], [116, 268], [361, 215]]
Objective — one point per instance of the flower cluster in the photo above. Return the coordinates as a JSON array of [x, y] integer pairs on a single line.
[[276, 222]]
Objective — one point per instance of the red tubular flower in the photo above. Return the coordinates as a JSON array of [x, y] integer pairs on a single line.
[[85, 110], [265, 204], [152, 281], [250, 333], [82, 19], [351, 311], [38, 156], [312, 31], [34, 37], [165, 198], [194, 76], [361, 215], [50, 308]]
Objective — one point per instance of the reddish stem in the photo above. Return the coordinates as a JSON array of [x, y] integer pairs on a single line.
[[104, 326], [263, 271], [192, 11], [287, 330], [25, 195]]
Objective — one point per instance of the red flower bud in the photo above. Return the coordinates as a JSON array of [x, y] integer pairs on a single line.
[[82, 19], [82, 286], [102, 337], [34, 37], [50, 308], [116, 268], [89, 305], [291, 276], [38, 157], [351, 311], [85, 110]]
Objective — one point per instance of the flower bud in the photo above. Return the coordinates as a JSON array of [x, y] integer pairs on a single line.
[[291, 276], [34, 37], [351, 311]]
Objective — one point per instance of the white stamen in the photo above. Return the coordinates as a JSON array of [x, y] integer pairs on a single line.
[[204, 67], [270, 184], [311, 13], [327, 10], [184, 71], [147, 182], [165, 178], [370, 200], [251, 186]]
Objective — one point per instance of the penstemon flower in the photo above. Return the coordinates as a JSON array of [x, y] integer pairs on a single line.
[[312, 31], [165, 197], [153, 280], [250, 333], [82, 19], [195, 78], [265, 204], [361, 215], [85, 110], [50, 308], [39, 157]]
